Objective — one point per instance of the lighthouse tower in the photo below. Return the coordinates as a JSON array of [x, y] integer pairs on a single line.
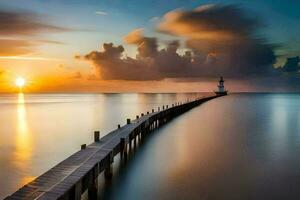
[[221, 88]]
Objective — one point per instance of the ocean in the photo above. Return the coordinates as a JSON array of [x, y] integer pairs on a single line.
[[241, 146]]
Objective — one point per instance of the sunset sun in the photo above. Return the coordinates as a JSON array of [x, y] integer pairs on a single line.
[[20, 82]]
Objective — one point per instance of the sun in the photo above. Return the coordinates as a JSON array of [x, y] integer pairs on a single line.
[[20, 82]]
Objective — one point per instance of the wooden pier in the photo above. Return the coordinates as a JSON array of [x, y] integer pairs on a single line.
[[79, 173]]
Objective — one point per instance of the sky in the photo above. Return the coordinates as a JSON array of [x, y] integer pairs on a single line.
[[150, 45]]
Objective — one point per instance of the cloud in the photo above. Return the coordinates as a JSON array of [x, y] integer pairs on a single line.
[[227, 31], [212, 22], [25, 23], [92, 77], [76, 75], [100, 13], [109, 64], [10, 47], [291, 65], [16, 24], [147, 46], [18, 47], [149, 64], [221, 40]]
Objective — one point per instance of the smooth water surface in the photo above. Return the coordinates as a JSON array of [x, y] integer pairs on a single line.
[[242, 146], [39, 130]]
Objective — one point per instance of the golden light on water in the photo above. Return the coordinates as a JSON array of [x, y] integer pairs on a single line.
[[23, 151], [22, 123]]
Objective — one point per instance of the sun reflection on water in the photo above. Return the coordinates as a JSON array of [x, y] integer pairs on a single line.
[[23, 151]]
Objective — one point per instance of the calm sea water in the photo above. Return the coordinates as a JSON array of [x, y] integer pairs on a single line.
[[242, 146], [38, 131]]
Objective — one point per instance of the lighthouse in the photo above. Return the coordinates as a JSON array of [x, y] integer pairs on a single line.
[[221, 88]]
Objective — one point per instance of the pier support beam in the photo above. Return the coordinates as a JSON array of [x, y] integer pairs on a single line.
[[130, 142], [135, 142], [77, 191], [108, 172], [93, 185], [123, 150]]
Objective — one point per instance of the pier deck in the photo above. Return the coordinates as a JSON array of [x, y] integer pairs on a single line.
[[79, 172]]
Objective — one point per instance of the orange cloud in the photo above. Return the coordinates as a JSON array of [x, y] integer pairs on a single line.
[[10, 47], [216, 22], [18, 47], [134, 37]]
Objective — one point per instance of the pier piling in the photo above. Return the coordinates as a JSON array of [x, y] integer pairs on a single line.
[[97, 136]]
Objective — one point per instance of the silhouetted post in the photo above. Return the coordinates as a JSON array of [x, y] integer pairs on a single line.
[[128, 121], [77, 190], [147, 112], [97, 136], [130, 142], [123, 148], [152, 110], [134, 142], [93, 183], [139, 136], [83, 146], [108, 170], [163, 107], [119, 126], [142, 114], [137, 117], [167, 106]]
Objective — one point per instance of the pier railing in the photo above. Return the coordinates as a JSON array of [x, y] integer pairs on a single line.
[[79, 173]]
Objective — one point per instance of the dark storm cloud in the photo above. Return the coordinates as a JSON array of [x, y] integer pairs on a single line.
[[221, 42]]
